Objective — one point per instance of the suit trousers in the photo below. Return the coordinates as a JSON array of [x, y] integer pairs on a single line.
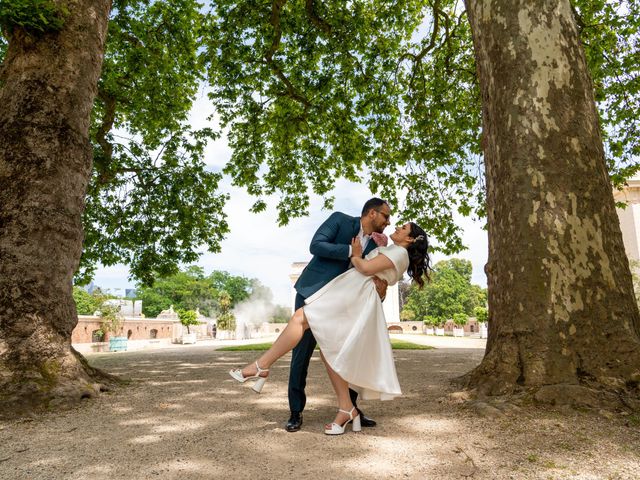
[[300, 357]]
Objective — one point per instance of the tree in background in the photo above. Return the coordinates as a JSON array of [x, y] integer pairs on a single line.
[[281, 314], [460, 319], [226, 320], [450, 292], [188, 318], [238, 287], [86, 303], [111, 319], [481, 314], [191, 289]]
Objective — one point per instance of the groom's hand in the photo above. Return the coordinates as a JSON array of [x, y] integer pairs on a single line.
[[381, 287], [356, 248]]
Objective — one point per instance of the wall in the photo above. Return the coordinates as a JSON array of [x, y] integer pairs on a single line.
[[136, 328]]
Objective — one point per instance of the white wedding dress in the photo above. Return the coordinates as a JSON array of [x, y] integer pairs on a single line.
[[347, 320]]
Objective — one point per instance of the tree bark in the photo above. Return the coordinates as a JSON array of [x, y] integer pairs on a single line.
[[562, 312], [48, 86]]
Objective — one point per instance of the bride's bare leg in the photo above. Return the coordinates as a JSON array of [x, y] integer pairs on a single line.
[[341, 387], [285, 342]]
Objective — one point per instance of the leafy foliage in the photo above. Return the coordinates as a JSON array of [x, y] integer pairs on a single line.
[[111, 319], [311, 92], [449, 293], [86, 304], [35, 16], [226, 319], [152, 201], [460, 319], [190, 289], [610, 33], [188, 318], [373, 91], [481, 314], [386, 93]]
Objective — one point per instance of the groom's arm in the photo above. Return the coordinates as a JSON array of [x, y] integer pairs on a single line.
[[323, 243]]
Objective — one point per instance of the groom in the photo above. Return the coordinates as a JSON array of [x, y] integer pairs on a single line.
[[331, 249]]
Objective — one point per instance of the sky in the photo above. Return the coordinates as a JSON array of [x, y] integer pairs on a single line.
[[257, 247]]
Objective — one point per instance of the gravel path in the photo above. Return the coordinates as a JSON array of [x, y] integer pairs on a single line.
[[182, 417]]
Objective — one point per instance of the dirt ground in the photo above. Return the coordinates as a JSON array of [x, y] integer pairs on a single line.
[[182, 417]]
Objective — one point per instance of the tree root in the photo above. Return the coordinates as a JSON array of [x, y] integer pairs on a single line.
[[28, 392], [595, 398]]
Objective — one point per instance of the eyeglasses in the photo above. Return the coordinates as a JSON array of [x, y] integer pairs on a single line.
[[385, 215]]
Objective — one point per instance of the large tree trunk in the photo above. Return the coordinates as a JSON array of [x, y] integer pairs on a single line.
[[47, 91], [561, 303]]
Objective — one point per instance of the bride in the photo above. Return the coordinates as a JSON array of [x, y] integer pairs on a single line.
[[347, 320]]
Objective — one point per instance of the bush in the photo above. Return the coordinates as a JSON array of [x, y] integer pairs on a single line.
[[112, 319], [431, 321], [481, 314], [460, 319]]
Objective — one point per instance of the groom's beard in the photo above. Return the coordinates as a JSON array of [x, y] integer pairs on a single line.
[[379, 228]]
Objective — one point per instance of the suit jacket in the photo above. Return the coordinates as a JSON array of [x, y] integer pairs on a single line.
[[330, 250]]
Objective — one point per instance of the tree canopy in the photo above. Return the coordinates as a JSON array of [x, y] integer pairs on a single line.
[[385, 93], [378, 92]]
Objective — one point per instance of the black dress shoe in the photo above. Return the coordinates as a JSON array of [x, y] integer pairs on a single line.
[[364, 420], [295, 422]]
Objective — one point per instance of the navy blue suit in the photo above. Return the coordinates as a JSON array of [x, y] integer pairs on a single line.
[[330, 250]]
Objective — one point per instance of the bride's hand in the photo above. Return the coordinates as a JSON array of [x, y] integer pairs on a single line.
[[356, 248]]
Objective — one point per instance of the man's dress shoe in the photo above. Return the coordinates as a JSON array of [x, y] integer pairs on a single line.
[[295, 422], [364, 420]]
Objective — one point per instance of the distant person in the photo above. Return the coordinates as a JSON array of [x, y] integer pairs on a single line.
[[214, 330], [345, 315]]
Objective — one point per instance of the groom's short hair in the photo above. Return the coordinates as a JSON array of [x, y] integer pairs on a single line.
[[373, 203]]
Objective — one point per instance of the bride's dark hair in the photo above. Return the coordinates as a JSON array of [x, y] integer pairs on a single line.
[[419, 261]]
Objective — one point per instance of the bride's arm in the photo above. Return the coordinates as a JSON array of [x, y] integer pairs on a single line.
[[373, 266], [368, 267]]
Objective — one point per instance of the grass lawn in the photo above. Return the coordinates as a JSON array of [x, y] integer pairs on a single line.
[[395, 344]]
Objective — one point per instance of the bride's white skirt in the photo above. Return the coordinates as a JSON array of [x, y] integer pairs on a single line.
[[347, 320]]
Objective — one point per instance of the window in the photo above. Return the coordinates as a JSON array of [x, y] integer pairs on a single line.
[[153, 333]]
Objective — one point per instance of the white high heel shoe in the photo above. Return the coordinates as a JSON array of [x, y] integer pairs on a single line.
[[236, 373], [339, 429]]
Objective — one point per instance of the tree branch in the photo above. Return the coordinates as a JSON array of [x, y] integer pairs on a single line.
[[102, 161], [578, 18], [292, 92], [434, 33], [319, 22]]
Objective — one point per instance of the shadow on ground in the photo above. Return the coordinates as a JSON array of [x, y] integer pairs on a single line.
[[182, 417]]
